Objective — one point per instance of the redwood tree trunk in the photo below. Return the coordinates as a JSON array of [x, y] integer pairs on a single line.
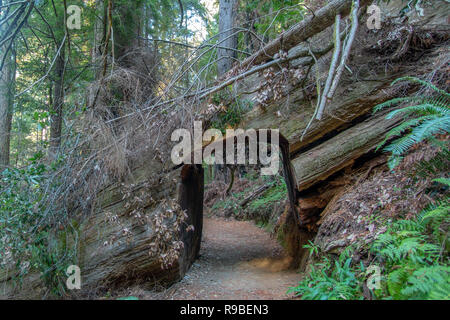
[[227, 21], [7, 77], [58, 102]]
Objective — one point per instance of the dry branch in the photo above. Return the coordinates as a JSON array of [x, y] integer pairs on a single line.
[[333, 65], [304, 30], [346, 51]]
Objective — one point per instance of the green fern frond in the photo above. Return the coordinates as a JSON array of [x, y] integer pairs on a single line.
[[445, 181], [425, 108], [423, 83], [424, 130], [396, 281], [431, 127], [432, 116], [401, 145], [412, 226], [425, 280], [397, 101]]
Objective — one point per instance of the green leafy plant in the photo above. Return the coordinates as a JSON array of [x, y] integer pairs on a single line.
[[313, 249], [331, 280], [275, 193], [413, 253], [424, 116], [29, 239]]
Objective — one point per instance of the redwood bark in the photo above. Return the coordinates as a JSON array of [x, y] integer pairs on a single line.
[[58, 102], [7, 79]]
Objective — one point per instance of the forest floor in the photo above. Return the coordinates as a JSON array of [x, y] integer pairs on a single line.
[[237, 260]]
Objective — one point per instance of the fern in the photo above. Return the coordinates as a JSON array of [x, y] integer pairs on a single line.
[[428, 281], [411, 252], [431, 115], [441, 291], [424, 108], [396, 281], [423, 83], [438, 214], [437, 164], [397, 131], [415, 261], [445, 181], [330, 281]]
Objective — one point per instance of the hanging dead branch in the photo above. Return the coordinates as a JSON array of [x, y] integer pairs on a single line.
[[346, 51], [337, 51], [299, 33]]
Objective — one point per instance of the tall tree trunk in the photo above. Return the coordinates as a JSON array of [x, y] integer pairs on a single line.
[[7, 82], [252, 43], [99, 36], [227, 21], [58, 102], [226, 54]]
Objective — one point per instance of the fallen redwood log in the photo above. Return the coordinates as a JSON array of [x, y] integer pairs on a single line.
[[109, 256], [113, 244], [367, 85], [340, 113], [248, 199], [128, 257], [302, 31], [340, 151]]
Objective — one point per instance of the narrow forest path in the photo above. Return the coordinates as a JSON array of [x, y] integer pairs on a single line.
[[237, 260]]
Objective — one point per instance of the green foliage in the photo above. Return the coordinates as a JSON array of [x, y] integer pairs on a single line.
[[434, 166], [411, 5], [331, 280], [275, 193], [230, 203], [28, 240], [274, 16], [425, 116], [30, 192], [415, 256], [38, 42], [259, 209], [128, 298], [313, 249]]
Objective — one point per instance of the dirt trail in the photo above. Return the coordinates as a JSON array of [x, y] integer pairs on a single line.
[[237, 261]]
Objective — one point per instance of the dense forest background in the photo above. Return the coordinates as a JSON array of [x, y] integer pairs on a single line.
[[54, 64]]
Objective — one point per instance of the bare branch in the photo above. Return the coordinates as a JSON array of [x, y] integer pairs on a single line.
[[346, 52], [302, 31], [337, 50]]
